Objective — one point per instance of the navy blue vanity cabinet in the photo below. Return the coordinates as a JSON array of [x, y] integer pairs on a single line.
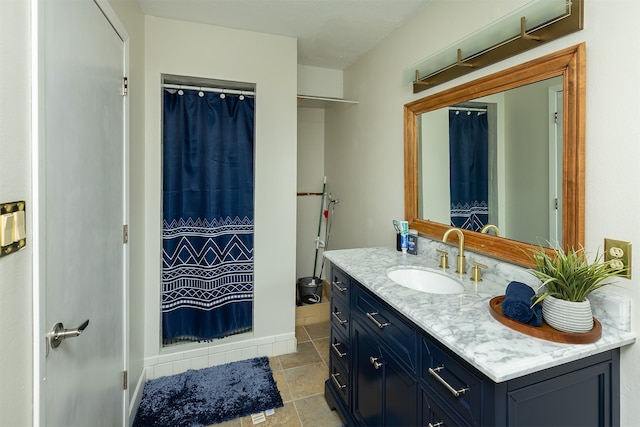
[[385, 386], [340, 316], [338, 386], [373, 358], [453, 388], [340, 285], [581, 393], [433, 414], [386, 371]]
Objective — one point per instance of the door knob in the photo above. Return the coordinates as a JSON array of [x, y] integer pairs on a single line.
[[59, 333], [375, 362]]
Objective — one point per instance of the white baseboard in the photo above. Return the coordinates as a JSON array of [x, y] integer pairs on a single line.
[[181, 358], [137, 396]]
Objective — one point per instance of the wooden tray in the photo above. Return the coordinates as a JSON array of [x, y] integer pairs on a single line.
[[545, 331]]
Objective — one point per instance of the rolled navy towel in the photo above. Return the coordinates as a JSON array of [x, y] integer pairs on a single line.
[[517, 304]]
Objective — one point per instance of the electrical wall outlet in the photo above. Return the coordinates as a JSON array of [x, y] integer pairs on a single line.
[[618, 253]]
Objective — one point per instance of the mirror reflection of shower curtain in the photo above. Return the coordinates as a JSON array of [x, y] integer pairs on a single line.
[[468, 166], [208, 215]]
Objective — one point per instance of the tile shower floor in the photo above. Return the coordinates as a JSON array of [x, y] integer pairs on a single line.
[[300, 378]]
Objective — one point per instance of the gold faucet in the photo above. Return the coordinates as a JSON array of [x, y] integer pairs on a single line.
[[486, 228], [444, 259], [476, 273], [462, 269]]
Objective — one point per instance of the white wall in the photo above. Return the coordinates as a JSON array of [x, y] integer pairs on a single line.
[[187, 49], [527, 121], [310, 175], [15, 184], [370, 137], [434, 166], [316, 81]]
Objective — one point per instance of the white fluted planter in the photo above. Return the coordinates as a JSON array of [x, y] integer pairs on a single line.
[[567, 316]]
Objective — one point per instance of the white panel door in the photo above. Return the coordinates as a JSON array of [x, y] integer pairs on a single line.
[[81, 217]]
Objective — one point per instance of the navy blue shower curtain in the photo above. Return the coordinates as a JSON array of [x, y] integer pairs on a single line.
[[468, 166], [208, 215]]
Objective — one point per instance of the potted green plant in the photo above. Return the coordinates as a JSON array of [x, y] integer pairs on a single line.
[[567, 279]]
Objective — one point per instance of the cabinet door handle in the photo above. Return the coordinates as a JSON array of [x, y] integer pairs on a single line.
[[375, 363], [334, 377], [337, 284], [337, 350], [374, 320], [456, 393], [438, 424], [336, 315]]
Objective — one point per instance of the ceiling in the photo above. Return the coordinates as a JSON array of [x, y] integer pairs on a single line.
[[331, 33]]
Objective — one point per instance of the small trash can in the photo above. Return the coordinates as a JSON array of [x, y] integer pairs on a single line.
[[309, 290]]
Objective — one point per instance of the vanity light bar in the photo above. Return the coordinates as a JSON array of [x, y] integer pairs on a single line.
[[569, 22]]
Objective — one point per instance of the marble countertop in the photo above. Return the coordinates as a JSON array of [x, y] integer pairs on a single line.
[[462, 322]]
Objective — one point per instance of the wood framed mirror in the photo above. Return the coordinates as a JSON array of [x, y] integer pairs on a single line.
[[567, 64]]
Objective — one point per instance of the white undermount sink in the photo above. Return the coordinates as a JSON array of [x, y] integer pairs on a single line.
[[425, 280]]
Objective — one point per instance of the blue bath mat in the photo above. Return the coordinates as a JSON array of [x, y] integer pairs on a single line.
[[211, 395]]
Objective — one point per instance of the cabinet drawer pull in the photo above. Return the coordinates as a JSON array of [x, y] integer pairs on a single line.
[[438, 424], [337, 284], [336, 315], [334, 377], [337, 350], [456, 393], [374, 320], [375, 363]]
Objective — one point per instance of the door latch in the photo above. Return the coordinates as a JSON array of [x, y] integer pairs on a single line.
[[59, 333]]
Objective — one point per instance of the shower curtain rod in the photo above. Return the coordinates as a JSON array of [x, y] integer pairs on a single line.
[[210, 89], [480, 110]]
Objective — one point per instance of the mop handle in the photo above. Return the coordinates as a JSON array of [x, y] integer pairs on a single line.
[[324, 187]]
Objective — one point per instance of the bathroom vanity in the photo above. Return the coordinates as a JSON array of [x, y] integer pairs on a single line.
[[401, 357]]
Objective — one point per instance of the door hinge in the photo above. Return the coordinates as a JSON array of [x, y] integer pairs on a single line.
[[125, 86], [125, 380], [125, 233]]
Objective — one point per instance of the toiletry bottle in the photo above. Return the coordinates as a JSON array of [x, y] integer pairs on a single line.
[[404, 236], [413, 242]]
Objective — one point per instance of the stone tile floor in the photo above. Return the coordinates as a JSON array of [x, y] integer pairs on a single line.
[[300, 377]]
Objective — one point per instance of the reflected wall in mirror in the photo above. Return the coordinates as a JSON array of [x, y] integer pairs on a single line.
[[526, 161], [500, 141]]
